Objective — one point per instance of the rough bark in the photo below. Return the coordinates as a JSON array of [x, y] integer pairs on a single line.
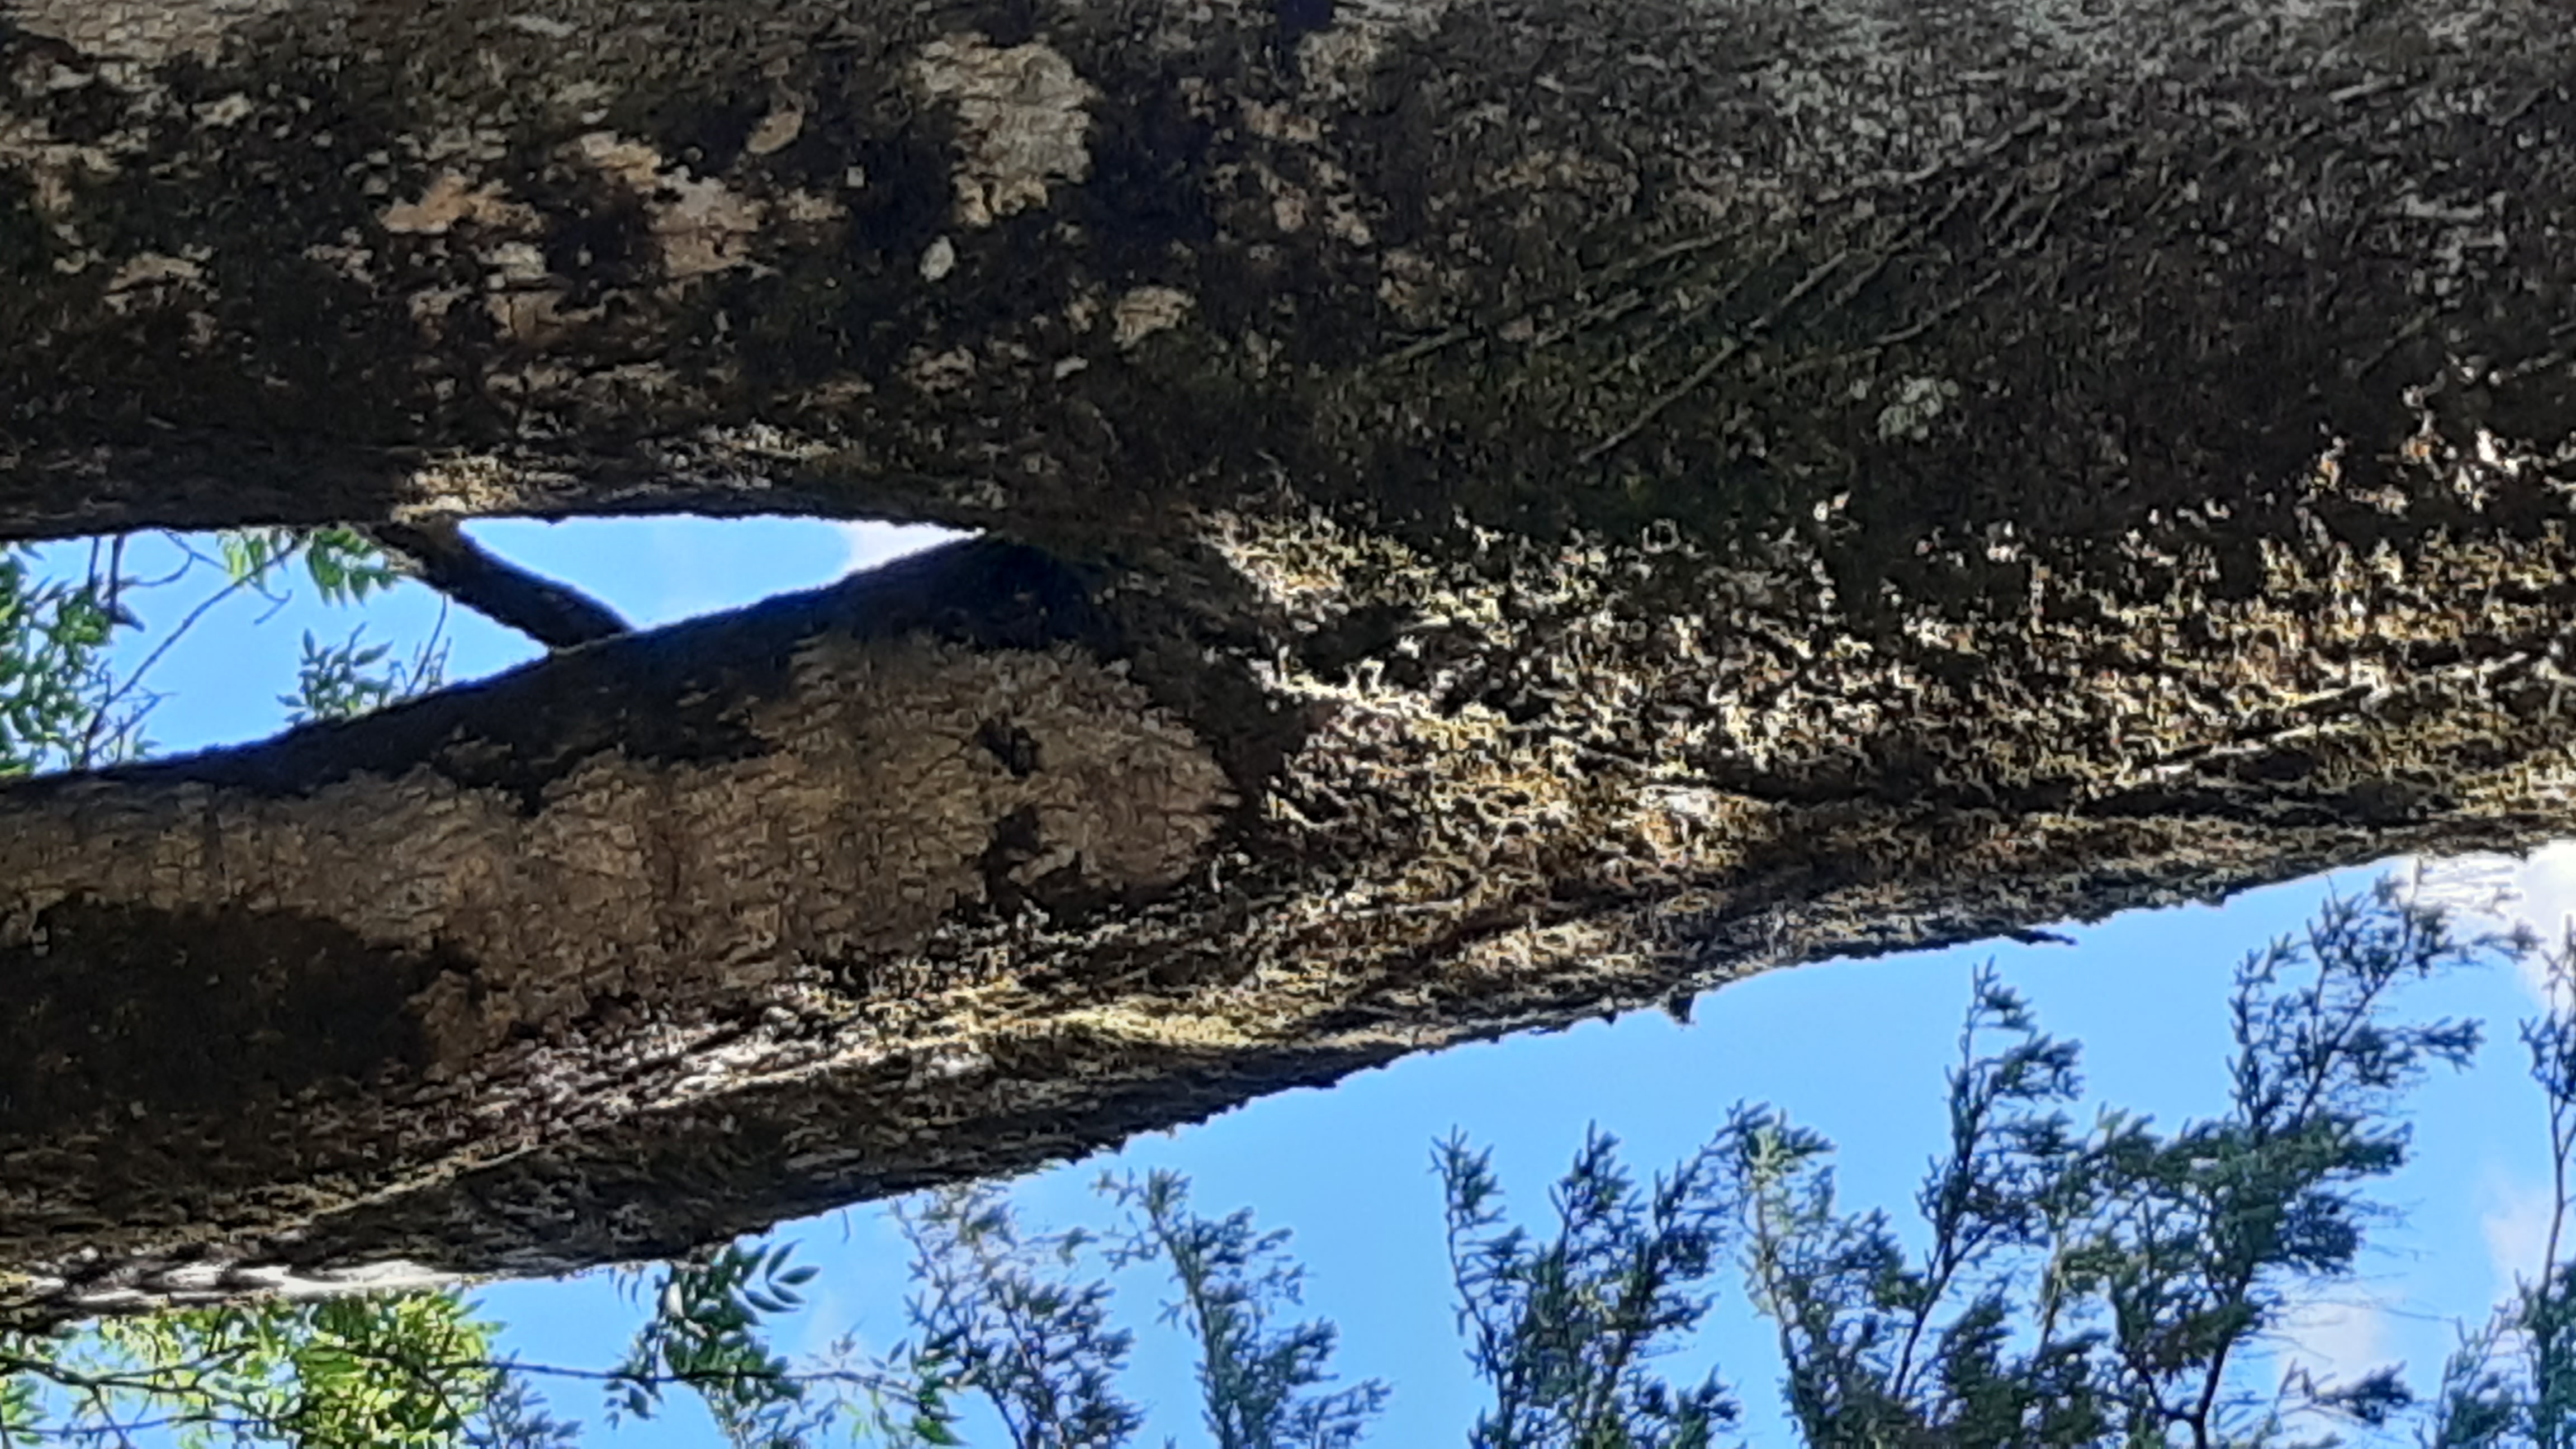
[[1538, 506]]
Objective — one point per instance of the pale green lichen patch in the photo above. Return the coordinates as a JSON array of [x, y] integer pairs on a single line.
[[1023, 119], [452, 198], [1919, 400]]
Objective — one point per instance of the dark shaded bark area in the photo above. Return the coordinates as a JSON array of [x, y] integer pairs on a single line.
[[1517, 510], [1551, 267]]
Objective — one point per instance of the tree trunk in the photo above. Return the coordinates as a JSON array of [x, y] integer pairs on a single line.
[[1514, 511]]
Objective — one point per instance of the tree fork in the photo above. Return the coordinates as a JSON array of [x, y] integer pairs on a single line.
[[1543, 507]]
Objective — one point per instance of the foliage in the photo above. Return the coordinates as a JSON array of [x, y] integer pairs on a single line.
[[705, 1335], [513, 1416], [1260, 1387], [415, 1371], [397, 1370], [59, 704], [66, 702], [2099, 1288], [2513, 1380], [1563, 1330], [1001, 1314], [344, 680], [345, 565]]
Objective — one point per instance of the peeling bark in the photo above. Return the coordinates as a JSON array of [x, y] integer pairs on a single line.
[[1517, 510]]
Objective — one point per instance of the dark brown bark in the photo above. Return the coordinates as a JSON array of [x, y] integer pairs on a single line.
[[439, 554], [1535, 507]]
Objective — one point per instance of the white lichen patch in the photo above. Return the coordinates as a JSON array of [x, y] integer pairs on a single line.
[[1566, 172], [1022, 114], [56, 169], [1408, 283], [1144, 311], [463, 484], [1294, 207], [706, 227], [538, 316], [515, 262], [429, 308], [544, 27], [151, 278], [224, 111], [635, 163], [701, 225], [801, 205], [938, 372], [347, 257], [452, 198], [1287, 204], [1336, 61], [1275, 122], [1918, 401], [777, 131]]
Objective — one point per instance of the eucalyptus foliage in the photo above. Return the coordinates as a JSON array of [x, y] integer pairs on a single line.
[[75, 684], [1018, 1318]]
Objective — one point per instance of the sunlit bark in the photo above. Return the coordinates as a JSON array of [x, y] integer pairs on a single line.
[[1516, 511]]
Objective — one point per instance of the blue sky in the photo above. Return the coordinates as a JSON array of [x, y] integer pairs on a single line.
[[1854, 1049]]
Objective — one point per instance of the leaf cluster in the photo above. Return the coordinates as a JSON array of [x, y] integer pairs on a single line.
[[705, 1335], [1262, 1385], [402, 1370], [68, 702], [1564, 1328]]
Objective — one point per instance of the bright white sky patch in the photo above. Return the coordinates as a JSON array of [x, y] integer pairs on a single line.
[[2514, 1220], [2336, 1341], [2538, 892], [873, 543]]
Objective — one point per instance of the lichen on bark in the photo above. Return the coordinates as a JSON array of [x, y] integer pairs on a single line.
[[1552, 506]]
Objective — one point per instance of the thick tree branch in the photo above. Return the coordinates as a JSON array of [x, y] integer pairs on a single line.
[[554, 614], [1572, 266], [953, 870]]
